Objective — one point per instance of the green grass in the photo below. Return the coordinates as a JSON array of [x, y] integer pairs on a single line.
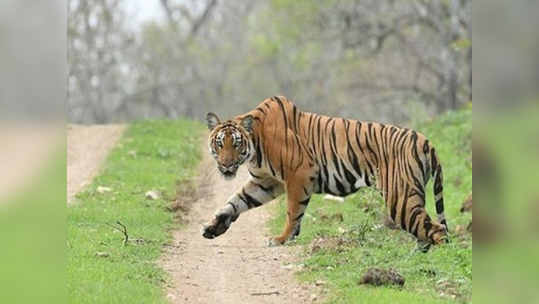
[[443, 275], [152, 155]]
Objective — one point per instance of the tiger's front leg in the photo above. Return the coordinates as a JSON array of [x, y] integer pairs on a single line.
[[298, 198], [254, 193]]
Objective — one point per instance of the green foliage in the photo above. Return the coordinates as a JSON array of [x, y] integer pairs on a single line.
[[442, 275], [153, 155]]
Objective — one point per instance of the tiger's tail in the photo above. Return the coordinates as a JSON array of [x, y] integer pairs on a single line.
[[438, 188]]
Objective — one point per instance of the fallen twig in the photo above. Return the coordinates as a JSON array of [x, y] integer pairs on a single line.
[[124, 231], [265, 293]]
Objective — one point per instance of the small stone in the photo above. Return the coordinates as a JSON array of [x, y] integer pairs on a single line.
[[102, 254], [289, 267], [101, 189], [333, 198], [171, 296], [319, 283], [152, 194]]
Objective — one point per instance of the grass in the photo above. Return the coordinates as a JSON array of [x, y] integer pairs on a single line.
[[444, 275], [152, 155], [32, 232]]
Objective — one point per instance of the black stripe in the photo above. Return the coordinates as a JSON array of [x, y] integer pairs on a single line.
[[282, 168], [403, 209], [305, 202], [351, 155], [285, 120], [265, 189], [428, 226], [258, 155], [340, 186], [251, 200], [249, 206], [253, 175], [299, 216], [235, 210], [350, 178], [415, 212], [294, 115], [440, 206], [393, 211], [271, 169]]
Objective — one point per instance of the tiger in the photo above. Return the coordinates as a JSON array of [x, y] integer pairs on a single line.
[[290, 151]]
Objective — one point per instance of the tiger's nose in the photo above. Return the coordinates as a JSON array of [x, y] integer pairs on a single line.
[[229, 166]]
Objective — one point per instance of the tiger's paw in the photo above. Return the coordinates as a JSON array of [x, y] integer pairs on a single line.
[[275, 241], [217, 226]]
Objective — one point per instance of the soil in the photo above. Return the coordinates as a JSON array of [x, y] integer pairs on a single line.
[[87, 147], [26, 150], [236, 267]]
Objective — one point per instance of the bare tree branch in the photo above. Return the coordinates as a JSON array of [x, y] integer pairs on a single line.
[[203, 18]]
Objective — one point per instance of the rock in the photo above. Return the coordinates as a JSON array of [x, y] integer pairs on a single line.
[[319, 283], [381, 277], [102, 254], [152, 194], [333, 198]]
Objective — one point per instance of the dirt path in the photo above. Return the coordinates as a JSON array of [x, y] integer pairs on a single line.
[[87, 147], [26, 150], [236, 267]]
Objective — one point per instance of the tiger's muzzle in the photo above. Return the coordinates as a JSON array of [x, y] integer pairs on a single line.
[[228, 172]]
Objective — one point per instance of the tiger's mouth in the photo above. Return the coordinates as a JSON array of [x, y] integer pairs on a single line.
[[228, 175]]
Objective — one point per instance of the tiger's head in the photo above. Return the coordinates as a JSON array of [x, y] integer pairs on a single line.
[[230, 143]]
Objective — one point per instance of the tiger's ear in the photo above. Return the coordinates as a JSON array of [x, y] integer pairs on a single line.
[[247, 123], [212, 120]]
